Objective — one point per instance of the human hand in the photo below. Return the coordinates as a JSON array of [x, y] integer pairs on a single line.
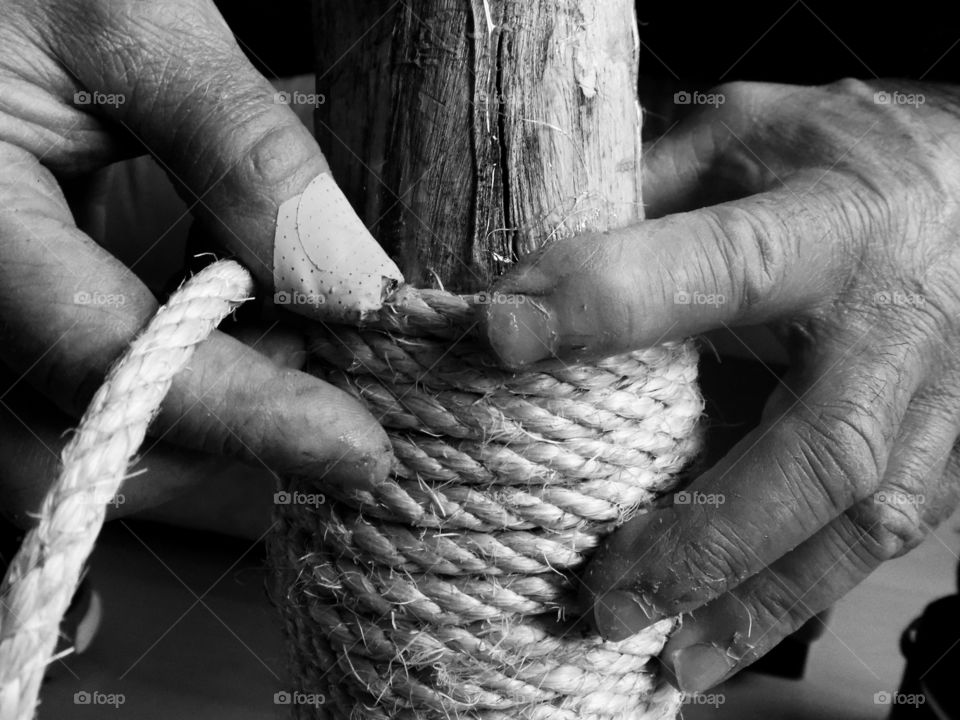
[[836, 222], [85, 84]]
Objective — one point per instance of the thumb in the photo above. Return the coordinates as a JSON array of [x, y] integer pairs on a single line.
[[229, 140]]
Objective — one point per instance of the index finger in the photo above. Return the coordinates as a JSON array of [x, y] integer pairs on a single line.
[[737, 263], [779, 486]]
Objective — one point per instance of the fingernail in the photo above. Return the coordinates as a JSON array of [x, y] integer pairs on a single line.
[[619, 614], [520, 329], [358, 468], [699, 667]]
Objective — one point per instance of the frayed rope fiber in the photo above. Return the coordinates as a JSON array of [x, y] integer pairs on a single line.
[[449, 591], [43, 576]]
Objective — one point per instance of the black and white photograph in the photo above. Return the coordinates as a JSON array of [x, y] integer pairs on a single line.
[[479, 360]]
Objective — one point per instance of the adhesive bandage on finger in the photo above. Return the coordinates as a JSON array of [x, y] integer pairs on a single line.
[[326, 264]]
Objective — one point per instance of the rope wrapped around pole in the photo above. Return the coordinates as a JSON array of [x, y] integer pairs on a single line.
[[449, 591]]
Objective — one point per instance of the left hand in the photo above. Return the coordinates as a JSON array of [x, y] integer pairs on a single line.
[[84, 84], [128, 208], [838, 224]]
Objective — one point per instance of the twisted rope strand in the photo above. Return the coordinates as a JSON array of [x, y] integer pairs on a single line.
[[44, 574]]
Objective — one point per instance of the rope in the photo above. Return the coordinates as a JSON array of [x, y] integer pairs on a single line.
[[44, 574], [449, 591]]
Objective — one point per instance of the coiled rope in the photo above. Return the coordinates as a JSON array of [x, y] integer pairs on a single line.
[[450, 590]]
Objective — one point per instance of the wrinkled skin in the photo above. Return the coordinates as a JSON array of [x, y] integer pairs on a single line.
[[84, 84], [816, 210], [832, 217]]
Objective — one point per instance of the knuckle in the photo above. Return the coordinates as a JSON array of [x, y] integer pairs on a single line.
[[886, 203], [843, 454], [858, 447], [750, 255], [931, 321], [852, 87], [717, 561], [776, 610], [907, 178], [279, 152], [888, 525]]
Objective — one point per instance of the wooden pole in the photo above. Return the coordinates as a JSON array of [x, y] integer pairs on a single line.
[[467, 133]]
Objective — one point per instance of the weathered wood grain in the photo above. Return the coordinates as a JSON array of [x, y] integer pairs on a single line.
[[467, 133]]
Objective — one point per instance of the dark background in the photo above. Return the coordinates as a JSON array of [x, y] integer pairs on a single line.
[[701, 44]]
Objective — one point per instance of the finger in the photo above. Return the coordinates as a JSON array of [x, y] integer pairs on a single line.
[[781, 484], [282, 345], [68, 310], [235, 151], [735, 629], [921, 478], [234, 401], [702, 161], [676, 168], [33, 434], [738, 263], [731, 632], [166, 483], [711, 156]]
